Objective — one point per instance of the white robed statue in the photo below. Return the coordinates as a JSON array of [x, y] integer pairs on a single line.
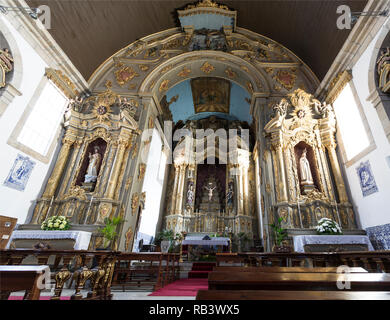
[[306, 176], [93, 166]]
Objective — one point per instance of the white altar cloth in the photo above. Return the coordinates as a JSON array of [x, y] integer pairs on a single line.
[[215, 241], [81, 238], [301, 241]]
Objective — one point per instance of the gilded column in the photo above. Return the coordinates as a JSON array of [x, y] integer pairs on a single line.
[[76, 151], [59, 168], [282, 175], [245, 189], [180, 189], [174, 191], [337, 173], [112, 184]]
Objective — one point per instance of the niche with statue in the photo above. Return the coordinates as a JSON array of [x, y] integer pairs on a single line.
[[91, 165], [307, 172]]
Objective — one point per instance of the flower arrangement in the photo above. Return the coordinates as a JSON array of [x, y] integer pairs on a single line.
[[56, 223], [328, 226]]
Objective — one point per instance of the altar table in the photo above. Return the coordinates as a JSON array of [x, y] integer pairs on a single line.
[[81, 238], [198, 241], [302, 240]]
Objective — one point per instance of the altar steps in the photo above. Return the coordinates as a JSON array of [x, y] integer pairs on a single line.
[[201, 270]]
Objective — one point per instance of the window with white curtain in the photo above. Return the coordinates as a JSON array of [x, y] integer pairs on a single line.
[[42, 123], [350, 123]]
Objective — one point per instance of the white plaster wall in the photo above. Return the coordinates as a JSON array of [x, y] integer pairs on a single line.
[[16, 203], [153, 187], [375, 208]]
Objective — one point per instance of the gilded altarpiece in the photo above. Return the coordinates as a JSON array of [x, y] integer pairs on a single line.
[[307, 180], [212, 188], [88, 183]]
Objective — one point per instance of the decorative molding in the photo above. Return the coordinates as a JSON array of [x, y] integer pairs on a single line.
[[62, 82], [337, 85]]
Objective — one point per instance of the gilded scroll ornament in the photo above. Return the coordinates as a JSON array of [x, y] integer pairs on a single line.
[[124, 74], [141, 171], [184, 73], [128, 183], [134, 203], [230, 73], [286, 79], [207, 68], [142, 200], [164, 85], [129, 238]]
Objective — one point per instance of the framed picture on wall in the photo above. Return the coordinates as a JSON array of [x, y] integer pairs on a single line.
[[19, 173], [366, 179]]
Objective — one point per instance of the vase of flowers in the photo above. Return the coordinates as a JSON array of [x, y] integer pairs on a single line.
[[328, 226], [56, 223]]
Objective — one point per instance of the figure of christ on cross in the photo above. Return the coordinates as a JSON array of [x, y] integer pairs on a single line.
[[210, 190]]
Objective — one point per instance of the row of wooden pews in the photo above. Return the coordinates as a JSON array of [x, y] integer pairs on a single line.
[[94, 268], [145, 269], [262, 276], [93, 271]]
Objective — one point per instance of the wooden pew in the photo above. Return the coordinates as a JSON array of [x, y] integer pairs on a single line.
[[220, 280], [290, 295], [68, 264], [18, 278], [287, 269]]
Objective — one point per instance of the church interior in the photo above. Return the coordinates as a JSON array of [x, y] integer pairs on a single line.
[[206, 150]]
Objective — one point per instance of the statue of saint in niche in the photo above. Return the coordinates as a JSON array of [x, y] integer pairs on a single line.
[[93, 166], [229, 195], [306, 177], [190, 194]]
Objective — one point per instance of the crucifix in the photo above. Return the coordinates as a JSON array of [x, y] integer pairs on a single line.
[[210, 190]]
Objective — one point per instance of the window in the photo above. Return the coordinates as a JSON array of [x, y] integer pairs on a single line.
[[39, 125], [353, 129]]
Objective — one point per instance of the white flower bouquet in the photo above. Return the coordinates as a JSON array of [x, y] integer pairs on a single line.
[[56, 223], [328, 226]]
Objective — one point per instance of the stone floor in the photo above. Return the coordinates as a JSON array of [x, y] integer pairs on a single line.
[[117, 295]]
